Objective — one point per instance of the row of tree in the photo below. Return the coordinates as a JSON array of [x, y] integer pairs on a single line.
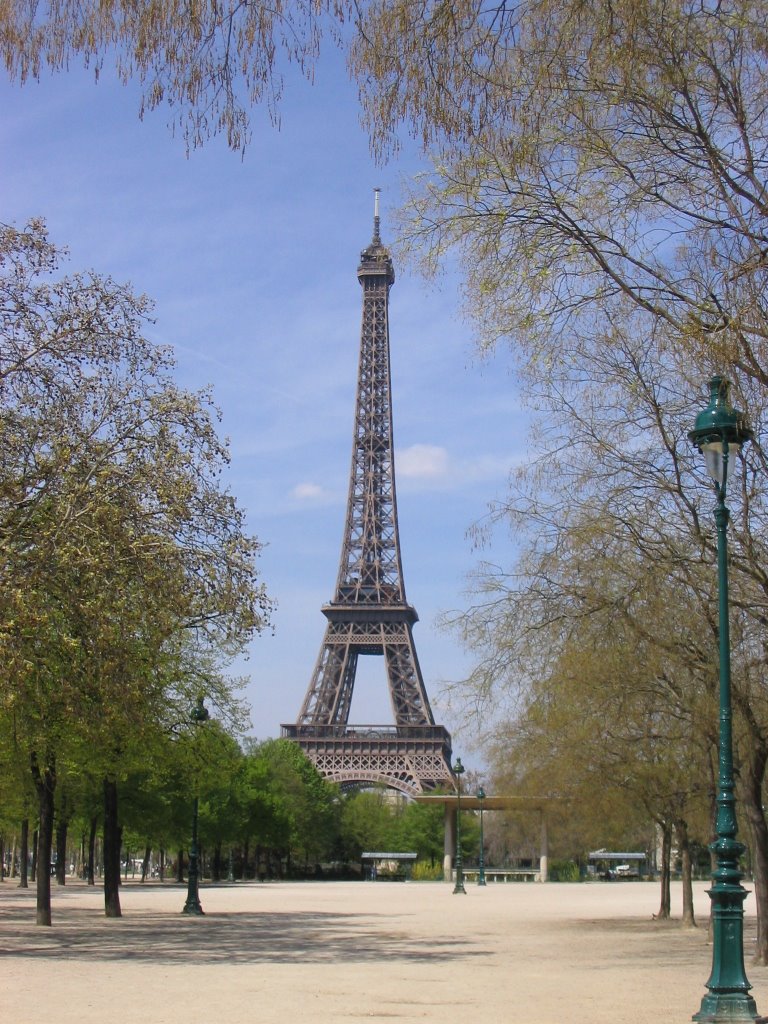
[[602, 171], [127, 579], [265, 812]]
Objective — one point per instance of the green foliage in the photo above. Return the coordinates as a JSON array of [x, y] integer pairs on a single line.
[[426, 871], [564, 871], [369, 821], [298, 809], [382, 820]]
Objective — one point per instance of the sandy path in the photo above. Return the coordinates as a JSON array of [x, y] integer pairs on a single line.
[[332, 953]]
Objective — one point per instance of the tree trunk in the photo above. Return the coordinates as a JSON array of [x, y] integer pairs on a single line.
[[145, 863], [33, 871], [2, 858], [91, 865], [61, 849], [180, 867], [752, 803], [24, 855], [112, 840], [683, 843], [216, 868], [161, 866], [45, 785], [666, 871]]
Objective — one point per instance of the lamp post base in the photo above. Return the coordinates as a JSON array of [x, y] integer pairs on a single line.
[[192, 905], [728, 1008]]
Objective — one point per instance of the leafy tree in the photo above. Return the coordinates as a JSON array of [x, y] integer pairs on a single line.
[[208, 63], [124, 567], [588, 158], [216, 761], [303, 800], [616, 583], [263, 816], [606, 732], [369, 821], [421, 830]]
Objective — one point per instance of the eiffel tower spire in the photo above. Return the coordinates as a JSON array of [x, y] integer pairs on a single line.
[[370, 569], [369, 614]]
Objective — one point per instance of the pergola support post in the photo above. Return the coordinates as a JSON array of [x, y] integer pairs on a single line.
[[449, 842], [544, 849]]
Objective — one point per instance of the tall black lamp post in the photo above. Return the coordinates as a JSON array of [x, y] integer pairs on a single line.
[[458, 771], [481, 865], [718, 433], [198, 714]]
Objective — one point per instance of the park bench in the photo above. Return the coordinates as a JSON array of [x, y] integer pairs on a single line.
[[503, 874]]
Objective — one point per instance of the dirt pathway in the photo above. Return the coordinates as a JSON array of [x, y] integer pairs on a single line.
[[333, 953]]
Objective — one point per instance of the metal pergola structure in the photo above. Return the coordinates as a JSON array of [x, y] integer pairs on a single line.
[[471, 802]]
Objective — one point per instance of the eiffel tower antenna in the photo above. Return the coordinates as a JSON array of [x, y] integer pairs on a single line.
[[376, 221], [369, 613]]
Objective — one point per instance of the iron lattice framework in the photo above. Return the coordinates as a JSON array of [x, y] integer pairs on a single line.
[[369, 614]]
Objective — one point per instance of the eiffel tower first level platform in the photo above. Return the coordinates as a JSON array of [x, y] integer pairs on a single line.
[[411, 758], [369, 614]]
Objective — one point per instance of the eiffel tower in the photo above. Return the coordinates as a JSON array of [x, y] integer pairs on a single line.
[[369, 614]]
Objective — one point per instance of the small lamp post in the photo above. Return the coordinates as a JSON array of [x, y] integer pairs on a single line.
[[718, 433], [458, 771], [481, 871], [198, 715]]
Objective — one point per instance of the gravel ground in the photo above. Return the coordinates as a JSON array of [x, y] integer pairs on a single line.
[[339, 952]]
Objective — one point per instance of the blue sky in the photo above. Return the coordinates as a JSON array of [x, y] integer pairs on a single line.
[[252, 266]]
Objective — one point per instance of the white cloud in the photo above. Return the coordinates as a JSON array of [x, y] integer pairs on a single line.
[[431, 466], [307, 492], [422, 461]]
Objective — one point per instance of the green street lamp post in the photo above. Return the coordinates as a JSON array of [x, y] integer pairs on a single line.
[[458, 771], [198, 714], [718, 433], [481, 866]]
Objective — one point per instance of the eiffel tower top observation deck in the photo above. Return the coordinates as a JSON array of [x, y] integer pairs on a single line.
[[369, 613]]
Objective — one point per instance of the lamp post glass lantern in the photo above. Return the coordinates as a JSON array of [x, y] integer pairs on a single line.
[[719, 432], [198, 715], [481, 865], [458, 771]]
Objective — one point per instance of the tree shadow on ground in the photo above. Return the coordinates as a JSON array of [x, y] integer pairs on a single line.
[[635, 941], [234, 938]]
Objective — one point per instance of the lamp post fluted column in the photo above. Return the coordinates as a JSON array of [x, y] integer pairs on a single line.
[[719, 432], [458, 771], [192, 905]]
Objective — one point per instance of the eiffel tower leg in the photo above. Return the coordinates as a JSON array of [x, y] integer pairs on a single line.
[[406, 686], [329, 696]]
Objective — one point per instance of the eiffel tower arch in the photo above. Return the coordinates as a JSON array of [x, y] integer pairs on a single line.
[[369, 613]]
